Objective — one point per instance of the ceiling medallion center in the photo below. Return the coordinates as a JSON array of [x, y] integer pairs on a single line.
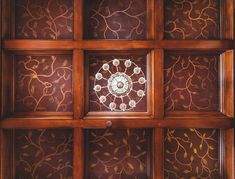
[[120, 85]]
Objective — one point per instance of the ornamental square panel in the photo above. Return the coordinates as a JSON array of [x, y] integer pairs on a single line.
[[124, 19], [192, 19], [191, 82], [192, 153], [44, 153], [117, 82], [118, 153], [43, 83], [44, 19]]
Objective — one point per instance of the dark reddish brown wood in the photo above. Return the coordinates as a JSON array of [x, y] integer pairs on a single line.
[[227, 26], [159, 19], [158, 149], [78, 153], [78, 83], [78, 19]]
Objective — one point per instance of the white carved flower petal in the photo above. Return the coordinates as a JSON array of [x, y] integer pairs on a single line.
[[97, 88], [128, 63], [112, 106], [141, 80], [98, 76], [102, 99], [123, 106], [132, 103], [105, 66], [116, 62], [140, 93], [137, 70]]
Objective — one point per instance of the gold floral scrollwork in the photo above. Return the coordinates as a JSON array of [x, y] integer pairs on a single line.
[[191, 154], [52, 19], [192, 19], [118, 153], [44, 83], [44, 153]]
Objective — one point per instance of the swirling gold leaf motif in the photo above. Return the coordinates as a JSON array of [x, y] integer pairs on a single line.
[[191, 82], [44, 153], [192, 19], [43, 83], [191, 154], [45, 19], [124, 19], [117, 153]]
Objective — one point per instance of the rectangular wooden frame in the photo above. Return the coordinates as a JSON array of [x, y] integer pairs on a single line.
[[155, 43]]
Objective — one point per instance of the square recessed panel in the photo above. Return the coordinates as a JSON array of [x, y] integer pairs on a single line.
[[40, 19], [117, 83], [118, 153], [43, 83], [124, 19], [44, 153], [192, 153], [191, 82], [197, 19]]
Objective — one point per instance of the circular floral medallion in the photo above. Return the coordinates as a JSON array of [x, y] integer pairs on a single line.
[[123, 75]]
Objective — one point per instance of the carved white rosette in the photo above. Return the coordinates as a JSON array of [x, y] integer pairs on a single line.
[[123, 74]]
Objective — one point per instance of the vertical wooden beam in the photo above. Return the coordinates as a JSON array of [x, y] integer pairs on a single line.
[[150, 19], [78, 159], [227, 83], [158, 150], [158, 82], [159, 19], [78, 19], [227, 19], [78, 84], [228, 154]]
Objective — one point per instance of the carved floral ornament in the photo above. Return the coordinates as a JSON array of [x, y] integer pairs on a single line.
[[120, 84]]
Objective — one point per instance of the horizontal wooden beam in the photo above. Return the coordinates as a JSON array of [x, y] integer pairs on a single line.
[[117, 44], [12, 123]]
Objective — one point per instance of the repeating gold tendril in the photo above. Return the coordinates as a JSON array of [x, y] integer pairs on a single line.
[[53, 19], [44, 83], [121, 20], [42, 152], [187, 19], [114, 156], [191, 83], [191, 154]]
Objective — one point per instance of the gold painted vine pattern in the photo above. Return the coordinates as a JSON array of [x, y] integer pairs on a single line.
[[192, 19], [43, 83], [117, 153], [44, 153], [44, 19], [124, 19], [191, 154], [191, 82]]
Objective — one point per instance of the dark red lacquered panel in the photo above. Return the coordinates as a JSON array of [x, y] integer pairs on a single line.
[[44, 153], [117, 153], [192, 19], [124, 19], [43, 83], [192, 153], [96, 62], [44, 19], [191, 82]]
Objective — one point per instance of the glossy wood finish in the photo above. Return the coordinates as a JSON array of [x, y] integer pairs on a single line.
[[159, 119]]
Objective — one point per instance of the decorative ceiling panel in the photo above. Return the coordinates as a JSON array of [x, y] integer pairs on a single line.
[[191, 82], [44, 153], [117, 83], [117, 153], [124, 19], [43, 83], [192, 154], [192, 19], [44, 19]]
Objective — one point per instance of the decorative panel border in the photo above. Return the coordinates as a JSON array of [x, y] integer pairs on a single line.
[[118, 55]]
